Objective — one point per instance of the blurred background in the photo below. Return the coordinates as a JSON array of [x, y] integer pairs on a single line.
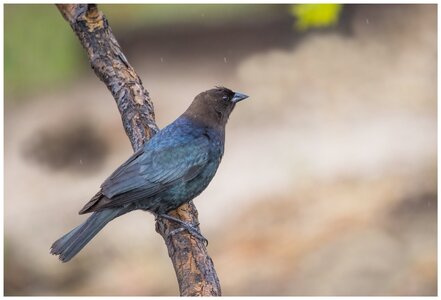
[[329, 181]]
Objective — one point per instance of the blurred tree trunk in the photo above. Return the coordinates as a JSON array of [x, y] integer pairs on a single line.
[[194, 268]]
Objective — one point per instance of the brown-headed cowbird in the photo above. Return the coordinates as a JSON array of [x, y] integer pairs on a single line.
[[172, 168]]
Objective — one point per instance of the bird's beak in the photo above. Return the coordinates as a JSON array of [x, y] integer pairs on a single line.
[[238, 97]]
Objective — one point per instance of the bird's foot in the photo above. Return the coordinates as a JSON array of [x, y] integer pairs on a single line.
[[185, 226]]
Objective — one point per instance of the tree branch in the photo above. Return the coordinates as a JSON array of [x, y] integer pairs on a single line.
[[194, 268]]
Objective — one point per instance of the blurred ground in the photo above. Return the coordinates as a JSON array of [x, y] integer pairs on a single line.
[[327, 186]]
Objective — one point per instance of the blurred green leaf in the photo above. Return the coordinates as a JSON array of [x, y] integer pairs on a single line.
[[315, 15]]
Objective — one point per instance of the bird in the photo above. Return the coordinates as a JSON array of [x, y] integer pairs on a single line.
[[172, 168]]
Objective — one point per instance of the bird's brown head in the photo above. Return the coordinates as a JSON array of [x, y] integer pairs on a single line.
[[213, 107]]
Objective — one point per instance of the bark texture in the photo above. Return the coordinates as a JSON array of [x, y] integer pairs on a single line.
[[194, 268]]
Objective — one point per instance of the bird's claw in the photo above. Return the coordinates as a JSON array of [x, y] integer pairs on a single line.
[[185, 226]]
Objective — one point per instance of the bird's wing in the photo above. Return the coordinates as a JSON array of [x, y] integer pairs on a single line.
[[127, 165], [155, 170], [98, 200]]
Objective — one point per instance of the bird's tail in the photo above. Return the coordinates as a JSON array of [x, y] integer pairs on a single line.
[[71, 243]]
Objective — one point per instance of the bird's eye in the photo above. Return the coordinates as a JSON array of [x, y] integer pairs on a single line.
[[225, 98]]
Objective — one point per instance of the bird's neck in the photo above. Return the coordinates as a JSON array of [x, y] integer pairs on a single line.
[[206, 117]]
